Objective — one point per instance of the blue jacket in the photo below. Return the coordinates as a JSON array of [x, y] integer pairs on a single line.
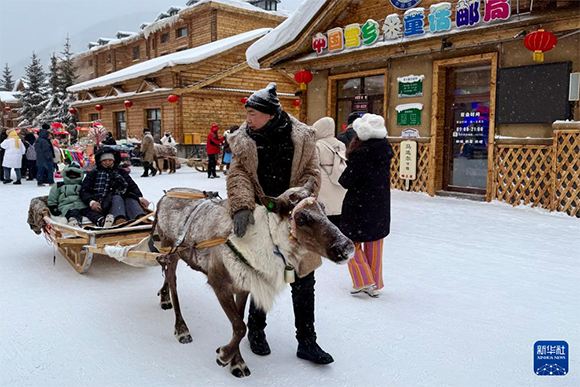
[[44, 150]]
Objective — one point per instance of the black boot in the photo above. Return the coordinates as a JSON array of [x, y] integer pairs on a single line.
[[256, 335], [145, 169], [303, 302]]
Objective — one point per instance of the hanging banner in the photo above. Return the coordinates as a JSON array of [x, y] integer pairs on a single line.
[[409, 114], [411, 86]]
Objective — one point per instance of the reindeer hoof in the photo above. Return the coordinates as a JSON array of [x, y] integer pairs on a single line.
[[184, 338], [165, 305], [219, 359], [240, 370]]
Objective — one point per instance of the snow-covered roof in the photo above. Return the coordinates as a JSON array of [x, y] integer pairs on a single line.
[[8, 97], [103, 41], [143, 25], [174, 10], [285, 33], [162, 15], [189, 56], [125, 34]]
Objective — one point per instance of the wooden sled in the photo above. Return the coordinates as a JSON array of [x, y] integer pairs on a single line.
[[200, 165], [78, 245]]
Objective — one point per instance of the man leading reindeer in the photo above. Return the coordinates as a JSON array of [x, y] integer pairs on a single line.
[[272, 152]]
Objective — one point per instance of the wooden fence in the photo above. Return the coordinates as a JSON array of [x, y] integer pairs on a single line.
[[547, 176]]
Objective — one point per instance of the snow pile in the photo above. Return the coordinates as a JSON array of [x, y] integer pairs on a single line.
[[189, 56], [285, 33], [8, 97]]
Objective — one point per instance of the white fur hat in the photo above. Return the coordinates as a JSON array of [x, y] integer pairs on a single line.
[[370, 126]]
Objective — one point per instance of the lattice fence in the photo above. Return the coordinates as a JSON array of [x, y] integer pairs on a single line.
[[540, 175], [420, 183], [567, 172], [522, 174]]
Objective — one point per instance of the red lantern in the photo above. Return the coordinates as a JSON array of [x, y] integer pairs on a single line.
[[99, 108], [128, 104], [244, 100], [72, 111], [172, 98], [303, 77], [296, 103], [539, 42], [7, 109]]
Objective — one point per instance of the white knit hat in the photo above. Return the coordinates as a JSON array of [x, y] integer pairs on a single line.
[[370, 126]]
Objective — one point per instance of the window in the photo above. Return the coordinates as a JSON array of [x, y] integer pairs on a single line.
[[135, 52], [90, 63], [271, 6], [373, 87], [165, 37], [120, 125], [154, 121], [109, 58], [181, 32], [93, 116]]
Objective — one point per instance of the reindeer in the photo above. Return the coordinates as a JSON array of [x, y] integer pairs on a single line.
[[288, 231], [162, 153]]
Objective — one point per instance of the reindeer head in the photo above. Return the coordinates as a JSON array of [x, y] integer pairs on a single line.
[[308, 224]]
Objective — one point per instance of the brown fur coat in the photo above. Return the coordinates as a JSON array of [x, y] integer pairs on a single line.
[[148, 148], [242, 182]]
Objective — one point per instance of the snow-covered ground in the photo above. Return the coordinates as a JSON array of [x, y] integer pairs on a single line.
[[470, 287]]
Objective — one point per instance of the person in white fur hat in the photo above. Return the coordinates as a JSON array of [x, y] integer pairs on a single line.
[[366, 209]]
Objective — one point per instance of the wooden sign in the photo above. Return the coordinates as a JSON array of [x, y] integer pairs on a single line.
[[411, 86], [408, 165], [409, 114]]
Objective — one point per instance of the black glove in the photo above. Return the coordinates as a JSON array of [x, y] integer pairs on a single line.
[[241, 220], [54, 210]]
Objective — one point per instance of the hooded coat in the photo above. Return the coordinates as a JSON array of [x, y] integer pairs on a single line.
[[14, 149], [44, 150], [148, 148], [366, 210], [331, 153], [243, 181], [66, 195], [88, 192], [214, 141]]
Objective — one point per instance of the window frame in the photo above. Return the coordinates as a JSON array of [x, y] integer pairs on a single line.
[[164, 38], [177, 35], [136, 50]]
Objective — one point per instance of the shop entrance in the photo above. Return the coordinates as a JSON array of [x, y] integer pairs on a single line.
[[359, 94], [466, 134]]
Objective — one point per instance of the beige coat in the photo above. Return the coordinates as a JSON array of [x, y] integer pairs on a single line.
[[331, 192], [242, 180], [148, 148]]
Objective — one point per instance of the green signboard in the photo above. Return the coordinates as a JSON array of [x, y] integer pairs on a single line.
[[411, 86], [409, 114]]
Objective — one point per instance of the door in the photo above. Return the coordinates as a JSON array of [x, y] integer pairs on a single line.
[[467, 130]]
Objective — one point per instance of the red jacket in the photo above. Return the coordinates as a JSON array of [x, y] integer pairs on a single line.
[[214, 141]]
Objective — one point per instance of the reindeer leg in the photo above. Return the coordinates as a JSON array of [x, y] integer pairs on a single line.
[[165, 300], [230, 353], [181, 331]]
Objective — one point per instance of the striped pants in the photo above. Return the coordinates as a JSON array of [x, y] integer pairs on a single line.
[[366, 268]]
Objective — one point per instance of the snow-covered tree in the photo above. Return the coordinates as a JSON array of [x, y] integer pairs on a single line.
[[53, 108], [67, 78], [6, 83], [33, 97]]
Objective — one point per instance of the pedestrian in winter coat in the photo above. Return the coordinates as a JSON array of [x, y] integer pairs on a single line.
[[272, 152], [44, 158], [366, 210], [14, 149], [332, 162], [64, 197], [347, 136], [148, 153], [109, 140], [112, 196], [213, 150], [227, 149], [30, 156], [3, 136]]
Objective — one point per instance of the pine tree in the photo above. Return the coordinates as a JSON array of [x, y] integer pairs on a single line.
[[53, 108], [67, 78], [6, 84], [33, 97]]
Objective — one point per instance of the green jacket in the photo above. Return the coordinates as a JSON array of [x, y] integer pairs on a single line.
[[66, 196]]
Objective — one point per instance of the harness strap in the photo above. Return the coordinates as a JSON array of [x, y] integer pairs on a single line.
[[238, 254]]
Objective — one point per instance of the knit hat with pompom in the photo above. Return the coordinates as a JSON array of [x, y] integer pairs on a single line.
[[265, 100]]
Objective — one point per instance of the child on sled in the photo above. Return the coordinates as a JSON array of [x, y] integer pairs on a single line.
[[64, 198]]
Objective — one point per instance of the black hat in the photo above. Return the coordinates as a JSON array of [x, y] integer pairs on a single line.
[[45, 126], [352, 117], [265, 100]]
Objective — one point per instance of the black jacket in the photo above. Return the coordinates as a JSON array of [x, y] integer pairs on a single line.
[[44, 150], [366, 209], [88, 186], [347, 135]]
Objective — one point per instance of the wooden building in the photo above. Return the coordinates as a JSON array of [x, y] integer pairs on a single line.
[[207, 70], [490, 122], [9, 105]]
